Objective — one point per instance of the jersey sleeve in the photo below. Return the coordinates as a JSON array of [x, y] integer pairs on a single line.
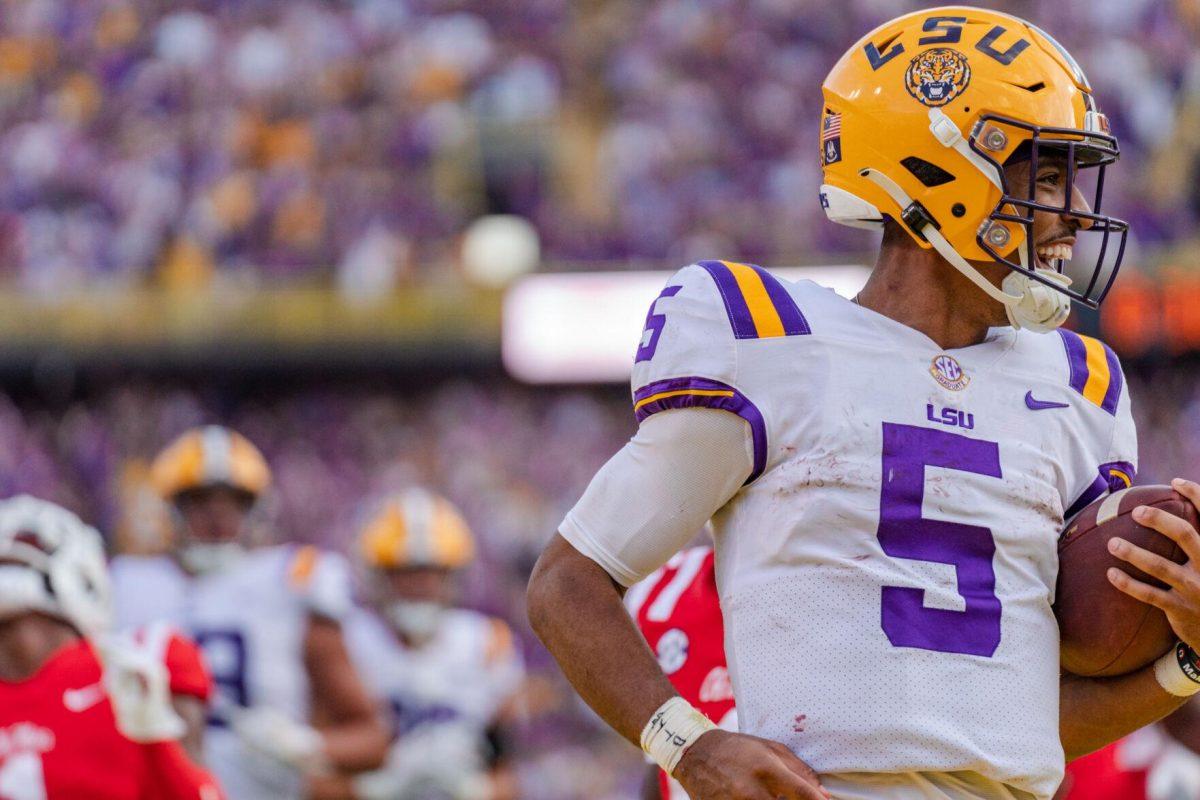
[[187, 672], [185, 665], [1095, 372], [656, 493], [688, 355], [321, 579]]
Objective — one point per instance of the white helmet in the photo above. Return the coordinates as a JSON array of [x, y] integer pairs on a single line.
[[52, 562]]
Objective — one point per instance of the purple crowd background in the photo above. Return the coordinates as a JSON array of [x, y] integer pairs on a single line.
[[265, 142]]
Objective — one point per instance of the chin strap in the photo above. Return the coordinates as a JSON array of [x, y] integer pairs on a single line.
[[1027, 303]]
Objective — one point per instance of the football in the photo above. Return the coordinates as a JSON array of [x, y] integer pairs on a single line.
[[1104, 631]]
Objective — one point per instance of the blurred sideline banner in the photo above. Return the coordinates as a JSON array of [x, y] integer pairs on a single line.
[[255, 327], [548, 327], [1143, 315], [584, 328]]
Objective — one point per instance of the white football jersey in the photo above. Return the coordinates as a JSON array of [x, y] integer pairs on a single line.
[[462, 676], [887, 571], [250, 621]]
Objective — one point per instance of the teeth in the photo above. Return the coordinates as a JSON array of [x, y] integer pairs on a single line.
[[1059, 250]]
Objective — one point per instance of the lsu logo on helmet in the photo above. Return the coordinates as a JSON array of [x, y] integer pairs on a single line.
[[936, 77]]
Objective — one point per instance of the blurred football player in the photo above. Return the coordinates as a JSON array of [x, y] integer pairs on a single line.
[[887, 476], [448, 677], [289, 702], [84, 714], [678, 610]]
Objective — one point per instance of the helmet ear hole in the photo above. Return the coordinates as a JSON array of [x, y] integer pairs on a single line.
[[926, 172]]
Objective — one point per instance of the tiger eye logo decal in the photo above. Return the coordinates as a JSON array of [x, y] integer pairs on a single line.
[[937, 76]]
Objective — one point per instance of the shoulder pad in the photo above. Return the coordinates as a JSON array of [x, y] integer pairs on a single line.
[[757, 304], [1095, 370], [322, 579]]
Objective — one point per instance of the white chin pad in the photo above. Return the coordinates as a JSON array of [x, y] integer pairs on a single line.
[[1040, 309]]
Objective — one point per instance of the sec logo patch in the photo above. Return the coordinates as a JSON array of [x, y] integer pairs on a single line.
[[949, 373], [672, 650]]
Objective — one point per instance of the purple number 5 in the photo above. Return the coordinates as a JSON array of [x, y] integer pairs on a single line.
[[904, 533], [654, 327]]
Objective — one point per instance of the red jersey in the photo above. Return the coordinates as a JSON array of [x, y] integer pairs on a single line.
[[678, 611], [59, 737], [1148, 764]]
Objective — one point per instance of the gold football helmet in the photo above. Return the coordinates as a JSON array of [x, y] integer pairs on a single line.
[[416, 528], [920, 118], [204, 459], [411, 547]]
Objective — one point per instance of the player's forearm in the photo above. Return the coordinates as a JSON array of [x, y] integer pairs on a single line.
[[575, 608], [356, 746], [1094, 712]]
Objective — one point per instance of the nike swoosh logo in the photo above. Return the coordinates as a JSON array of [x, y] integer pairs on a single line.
[[1042, 405], [83, 698]]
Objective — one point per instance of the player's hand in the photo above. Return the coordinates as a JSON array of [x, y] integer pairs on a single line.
[[138, 686], [1181, 601], [735, 766], [273, 734]]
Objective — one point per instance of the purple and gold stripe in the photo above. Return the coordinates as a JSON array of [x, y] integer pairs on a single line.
[[1095, 370], [705, 393], [1114, 476], [758, 305]]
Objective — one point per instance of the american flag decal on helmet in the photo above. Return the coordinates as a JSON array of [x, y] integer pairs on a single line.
[[831, 138]]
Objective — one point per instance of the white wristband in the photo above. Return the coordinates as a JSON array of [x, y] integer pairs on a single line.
[[672, 729], [1177, 673]]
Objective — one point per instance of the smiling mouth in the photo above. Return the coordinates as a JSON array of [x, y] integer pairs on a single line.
[[1054, 256]]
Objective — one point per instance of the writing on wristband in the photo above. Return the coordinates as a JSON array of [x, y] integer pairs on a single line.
[[1178, 671], [1189, 661], [671, 730]]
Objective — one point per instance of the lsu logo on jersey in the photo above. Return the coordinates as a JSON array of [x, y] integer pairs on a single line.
[[937, 76]]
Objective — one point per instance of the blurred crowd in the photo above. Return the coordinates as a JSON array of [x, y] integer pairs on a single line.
[[349, 142]]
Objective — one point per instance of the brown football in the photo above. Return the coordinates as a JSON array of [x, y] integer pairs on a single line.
[[1105, 631]]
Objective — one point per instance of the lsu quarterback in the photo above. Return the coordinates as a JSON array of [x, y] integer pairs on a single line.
[[84, 713], [887, 476], [289, 703], [448, 678]]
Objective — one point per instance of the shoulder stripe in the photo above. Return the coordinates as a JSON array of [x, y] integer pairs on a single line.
[[1113, 477], [1095, 370], [757, 304], [303, 563], [705, 393]]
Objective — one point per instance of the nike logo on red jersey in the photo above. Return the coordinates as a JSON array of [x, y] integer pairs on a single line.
[[85, 697]]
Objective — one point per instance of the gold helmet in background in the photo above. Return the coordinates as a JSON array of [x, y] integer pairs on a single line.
[[416, 528], [411, 546], [198, 467], [208, 457]]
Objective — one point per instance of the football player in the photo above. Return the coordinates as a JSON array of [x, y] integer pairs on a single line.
[[447, 677], [289, 702], [678, 610], [83, 715], [887, 476]]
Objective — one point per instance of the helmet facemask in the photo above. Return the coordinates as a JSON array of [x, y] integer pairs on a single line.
[[1086, 155]]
